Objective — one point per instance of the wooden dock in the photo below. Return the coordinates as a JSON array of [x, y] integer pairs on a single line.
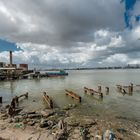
[[47, 100], [93, 92], [73, 95]]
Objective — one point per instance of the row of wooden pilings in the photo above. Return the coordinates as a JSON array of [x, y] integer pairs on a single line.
[[90, 91], [49, 101], [94, 92], [75, 96]]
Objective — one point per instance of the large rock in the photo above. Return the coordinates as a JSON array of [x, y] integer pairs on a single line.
[[4, 116], [47, 113], [70, 106], [61, 124], [87, 122], [76, 134], [108, 135], [44, 123], [72, 121]]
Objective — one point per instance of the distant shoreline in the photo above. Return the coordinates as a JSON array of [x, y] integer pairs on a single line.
[[101, 68]]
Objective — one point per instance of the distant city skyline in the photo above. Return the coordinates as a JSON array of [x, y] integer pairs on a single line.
[[67, 34]]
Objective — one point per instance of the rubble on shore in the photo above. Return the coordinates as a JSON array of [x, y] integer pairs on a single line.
[[63, 124]]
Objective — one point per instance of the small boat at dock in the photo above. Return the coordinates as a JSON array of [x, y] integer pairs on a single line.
[[56, 73]]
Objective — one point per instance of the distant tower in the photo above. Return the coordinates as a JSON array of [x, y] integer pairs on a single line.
[[11, 58]]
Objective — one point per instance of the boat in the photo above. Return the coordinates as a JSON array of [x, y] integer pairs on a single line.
[[56, 73]]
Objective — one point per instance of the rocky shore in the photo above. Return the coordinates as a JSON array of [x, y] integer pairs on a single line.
[[65, 124]]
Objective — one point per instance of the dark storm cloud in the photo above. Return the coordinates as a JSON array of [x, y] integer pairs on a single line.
[[69, 33], [63, 22]]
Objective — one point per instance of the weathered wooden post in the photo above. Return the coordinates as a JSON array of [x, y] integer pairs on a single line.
[[13, 103], [85, 90], [73, 95], [131, 87], [51, 103], [107, 89], [0, 100], [48, 100], [26, 95], [99, 88], [16, 100], [123, 91], [119, 87], [101, 95], [80, 99]]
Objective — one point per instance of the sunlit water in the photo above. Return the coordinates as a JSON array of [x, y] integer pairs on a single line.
[[113, 103]]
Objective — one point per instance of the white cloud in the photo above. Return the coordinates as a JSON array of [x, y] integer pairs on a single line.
[[121, 58]]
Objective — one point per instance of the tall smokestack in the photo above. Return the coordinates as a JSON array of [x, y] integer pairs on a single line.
[[11, 58]]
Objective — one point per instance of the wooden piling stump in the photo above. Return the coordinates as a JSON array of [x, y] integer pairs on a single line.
[[92, 92], [107, 89], [125, 89], [26, 95], [73, 95], [0, 100], [48, 100], [99, 88]]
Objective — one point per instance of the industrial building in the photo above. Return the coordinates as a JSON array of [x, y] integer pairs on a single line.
[[2, 64], [11, 71]]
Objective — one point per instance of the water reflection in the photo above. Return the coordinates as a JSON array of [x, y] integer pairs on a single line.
[[12, 88], [95, 98], [126, 93]]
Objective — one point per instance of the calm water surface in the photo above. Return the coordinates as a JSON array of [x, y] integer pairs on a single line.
[[113, 103]]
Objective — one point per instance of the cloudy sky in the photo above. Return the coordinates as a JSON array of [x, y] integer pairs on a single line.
[[75, 33]]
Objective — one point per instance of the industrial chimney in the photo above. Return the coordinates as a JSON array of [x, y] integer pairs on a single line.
[[11, 59]]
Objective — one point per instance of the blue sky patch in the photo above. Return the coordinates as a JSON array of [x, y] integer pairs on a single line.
[[138, 18], [7, 46], [129, 6]]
